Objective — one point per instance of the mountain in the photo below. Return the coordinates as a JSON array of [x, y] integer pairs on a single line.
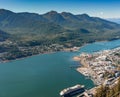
[[54, 17], [70, 21], [116, 20], [53, 25], [3, 35], [22, 23]]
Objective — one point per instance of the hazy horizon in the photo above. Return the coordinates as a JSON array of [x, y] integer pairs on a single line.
[[95, 8]]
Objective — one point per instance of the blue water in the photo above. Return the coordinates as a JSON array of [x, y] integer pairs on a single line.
[[97, 46], [45, 75]]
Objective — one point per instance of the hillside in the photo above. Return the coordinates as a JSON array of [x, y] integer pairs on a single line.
[[71, 21], [52, 22], [3, 35], [32, 33], [24, 23]]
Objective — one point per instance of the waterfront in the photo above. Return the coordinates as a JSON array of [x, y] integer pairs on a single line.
[[100, 66], [40, 76], [45, 75]]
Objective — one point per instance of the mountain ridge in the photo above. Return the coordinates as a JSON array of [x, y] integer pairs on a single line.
[[55, 25], [116, 20], [32, 33]]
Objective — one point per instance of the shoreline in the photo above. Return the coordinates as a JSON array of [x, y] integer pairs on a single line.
[[6, 61], [64, 50], [84, 69], [96, 66], [74, 49]]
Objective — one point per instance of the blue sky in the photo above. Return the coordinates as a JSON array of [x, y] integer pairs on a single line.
[[99, 8]]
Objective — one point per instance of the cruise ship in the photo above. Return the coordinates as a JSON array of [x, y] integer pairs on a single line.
[[71, 91]]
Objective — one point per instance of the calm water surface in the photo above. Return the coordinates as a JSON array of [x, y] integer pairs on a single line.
[[45, 75]]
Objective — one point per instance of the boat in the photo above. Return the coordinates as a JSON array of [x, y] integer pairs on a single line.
[[71, 91]]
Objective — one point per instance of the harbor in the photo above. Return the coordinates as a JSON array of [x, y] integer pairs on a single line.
[[35, 76], [102, 67]]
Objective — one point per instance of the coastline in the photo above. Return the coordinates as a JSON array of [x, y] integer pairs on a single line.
[[84, 69], [76, 58], [64, 50], [6, 61], [96, 66], [74, 49]]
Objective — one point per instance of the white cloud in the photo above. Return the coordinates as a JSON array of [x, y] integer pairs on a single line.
[[101, 13]]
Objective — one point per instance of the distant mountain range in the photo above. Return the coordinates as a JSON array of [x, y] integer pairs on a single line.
[[53, 25], [116, 20]]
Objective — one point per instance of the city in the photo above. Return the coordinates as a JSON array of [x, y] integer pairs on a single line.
[[102, 67]]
